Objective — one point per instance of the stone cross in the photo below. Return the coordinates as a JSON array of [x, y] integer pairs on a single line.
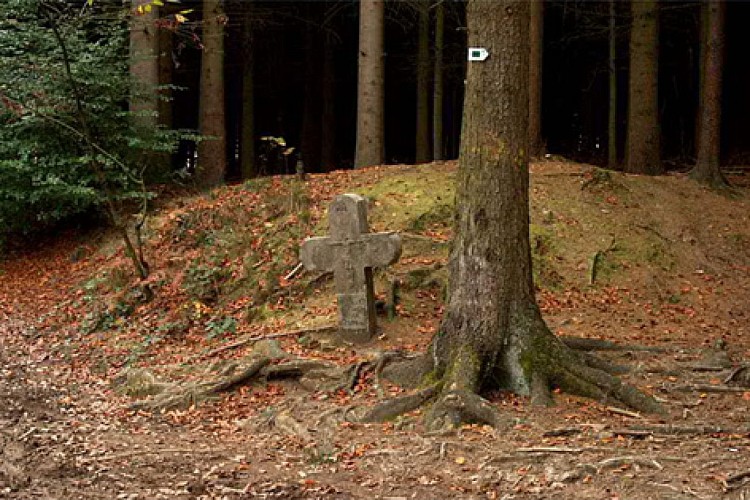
[[351, 252]]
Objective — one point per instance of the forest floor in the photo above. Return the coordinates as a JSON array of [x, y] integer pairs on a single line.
[[641, 262]]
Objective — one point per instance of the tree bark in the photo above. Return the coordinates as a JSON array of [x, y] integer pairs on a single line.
[[212, 156], [438, 89], [248, 168], [612, 124], [536, 38], [491, 290], [643, 154], [370, 89], [144, 64], [493, 333], [166, 74], [148, 111], [707, 168], [423, 84]]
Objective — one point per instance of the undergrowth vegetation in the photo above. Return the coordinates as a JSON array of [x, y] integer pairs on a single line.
[[226, 263]]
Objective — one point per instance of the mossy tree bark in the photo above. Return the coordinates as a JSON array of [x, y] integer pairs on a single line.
[[708, 142], [212, 151], [643, 154], [371, 85], [493, 333]]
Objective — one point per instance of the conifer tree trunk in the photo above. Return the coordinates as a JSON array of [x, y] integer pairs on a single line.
[[493, 333], [708, 143], [423, 84], [328, 116], [144, 64], [643, 154], [612, 118], [247, 136], [166, 75], [212, 151], [536, 37], [438, 89], [370, 88]]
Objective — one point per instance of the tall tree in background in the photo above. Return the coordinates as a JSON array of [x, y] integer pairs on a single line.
[[247, 137], [212, 156], [493, 332], [536, 39], [371, 85], [708, 142], [643, 154], [612, 115], [166, 76], [144, 63], [423, 83], [438, 87]]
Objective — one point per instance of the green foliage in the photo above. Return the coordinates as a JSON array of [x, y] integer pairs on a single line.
[[221, 326], [67, 142], [204, 282]]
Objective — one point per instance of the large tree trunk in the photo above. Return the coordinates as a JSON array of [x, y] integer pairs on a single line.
[[493, 333], [212, 156], [145, 73], [438, 88], [643, 138], [166, 76], [708, 143], [612, 123], [144, 64], [248, 168], [423, 84], [536, 39], [370, 89]]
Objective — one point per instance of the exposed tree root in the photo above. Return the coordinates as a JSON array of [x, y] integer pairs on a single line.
[[179, 396], [256, 338], [546, 362], [456, 407], [599, 385], [400, 405], [739, 376], [587, 344], [672, 430]]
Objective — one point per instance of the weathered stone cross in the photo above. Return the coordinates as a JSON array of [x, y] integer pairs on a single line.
[[351, 252]]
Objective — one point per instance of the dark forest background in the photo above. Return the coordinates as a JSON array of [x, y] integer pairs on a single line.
[[288, 55]]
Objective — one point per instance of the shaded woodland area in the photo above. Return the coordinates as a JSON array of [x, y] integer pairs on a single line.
[[301, 58], [560, 313]]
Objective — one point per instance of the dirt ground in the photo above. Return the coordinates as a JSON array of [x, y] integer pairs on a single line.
[[66, 434]]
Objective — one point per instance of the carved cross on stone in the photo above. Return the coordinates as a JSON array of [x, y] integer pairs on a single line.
[[351, 252]]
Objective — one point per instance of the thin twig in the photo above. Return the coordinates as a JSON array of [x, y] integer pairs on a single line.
[[255, 338], [620, 411], [548, 449], [135, 453], [709, 388]]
